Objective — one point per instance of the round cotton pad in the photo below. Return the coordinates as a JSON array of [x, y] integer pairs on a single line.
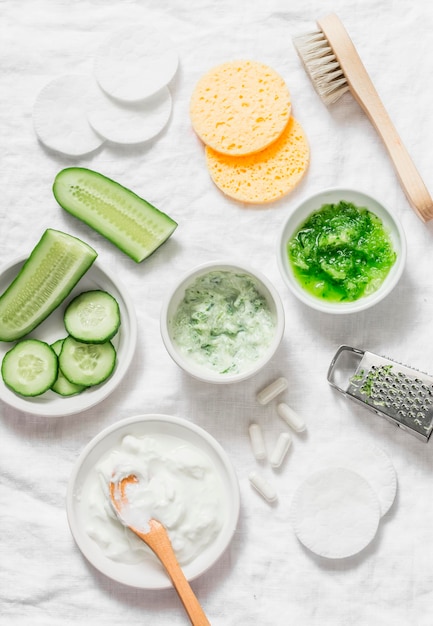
[[368, 461], [335, 513], [264, 176], [135, 62], [240, 107], [60, 116], [130, 123]]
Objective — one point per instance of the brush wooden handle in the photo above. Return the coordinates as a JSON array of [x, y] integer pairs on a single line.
[[158, 540], [366, 95]]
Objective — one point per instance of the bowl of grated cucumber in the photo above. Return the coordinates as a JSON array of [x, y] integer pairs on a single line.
[[341, 251], [72, 355], [222, 322]]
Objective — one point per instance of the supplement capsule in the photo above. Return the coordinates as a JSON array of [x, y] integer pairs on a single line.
[[272, 391], [265, 489], [257, 442], [280, 450], [294, 420]]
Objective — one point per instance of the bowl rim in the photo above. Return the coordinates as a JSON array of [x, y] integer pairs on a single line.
[[177, 290], [135, 575], [361, 198]]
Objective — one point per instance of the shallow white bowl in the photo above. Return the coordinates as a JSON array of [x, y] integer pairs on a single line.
[[176, 295], [150, 574], [51, 404], [313, 204]]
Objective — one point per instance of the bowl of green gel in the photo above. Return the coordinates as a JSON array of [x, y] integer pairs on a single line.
[[341, 251]]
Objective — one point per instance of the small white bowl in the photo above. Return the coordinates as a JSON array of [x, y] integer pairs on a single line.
[[311, 205], [175, 297], [50, 404], [149, 573]]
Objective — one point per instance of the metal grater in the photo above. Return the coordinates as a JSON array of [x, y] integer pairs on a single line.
[[402, 395]]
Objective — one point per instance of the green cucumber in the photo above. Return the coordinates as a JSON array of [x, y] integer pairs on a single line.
[[30, 367], [131, 223], [62, 385], [54, 267], [87, 363], [92, 317]]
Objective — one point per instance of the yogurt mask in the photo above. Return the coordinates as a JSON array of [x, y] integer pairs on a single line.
[[177, 485]]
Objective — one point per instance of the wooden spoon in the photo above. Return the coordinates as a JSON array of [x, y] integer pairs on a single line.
[[158, 540]]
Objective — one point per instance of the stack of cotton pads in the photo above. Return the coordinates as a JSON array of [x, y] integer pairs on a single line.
[[126, 100], [336, 511], [256, 152]]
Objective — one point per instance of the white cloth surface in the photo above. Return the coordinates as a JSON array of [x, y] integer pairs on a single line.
[[265, 577]]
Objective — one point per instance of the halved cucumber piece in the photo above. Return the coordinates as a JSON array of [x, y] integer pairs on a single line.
[[30, 367], [87, 363], [54, 267], [62, 385], [92, 317], [134, 225]]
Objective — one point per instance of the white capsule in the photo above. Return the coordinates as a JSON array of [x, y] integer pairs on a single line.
[[272, 391], [265, 489], [257, 442], [280, 450], [294, 420]]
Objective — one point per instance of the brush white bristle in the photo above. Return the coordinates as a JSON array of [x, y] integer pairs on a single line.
[[322, 66]]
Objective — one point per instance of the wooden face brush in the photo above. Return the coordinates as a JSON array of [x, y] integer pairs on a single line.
[[334, 66]]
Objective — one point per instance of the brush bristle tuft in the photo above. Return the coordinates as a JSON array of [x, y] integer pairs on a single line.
[[322, 66]]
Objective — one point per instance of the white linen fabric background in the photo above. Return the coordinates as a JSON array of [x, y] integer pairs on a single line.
[[265, 577]]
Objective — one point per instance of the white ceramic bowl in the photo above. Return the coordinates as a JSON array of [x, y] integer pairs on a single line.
[[175, 297], [360, 199], [149, 574], [51, 404]]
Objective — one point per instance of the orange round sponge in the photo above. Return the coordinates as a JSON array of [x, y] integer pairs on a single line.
[[264, 176], [240, 107]]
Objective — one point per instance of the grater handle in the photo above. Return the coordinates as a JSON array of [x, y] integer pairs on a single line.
[[335, 366]]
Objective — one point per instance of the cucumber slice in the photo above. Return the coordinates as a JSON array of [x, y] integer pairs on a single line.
[[61, 385], [54, 267], [30, 367], [92, 317], [87, 363], [131, 223]]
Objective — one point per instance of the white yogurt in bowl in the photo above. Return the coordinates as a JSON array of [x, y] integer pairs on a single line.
[[177, 484], [186, 481]]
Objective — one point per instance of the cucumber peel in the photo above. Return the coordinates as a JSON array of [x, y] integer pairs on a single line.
[[54, 267], [131, 223]]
